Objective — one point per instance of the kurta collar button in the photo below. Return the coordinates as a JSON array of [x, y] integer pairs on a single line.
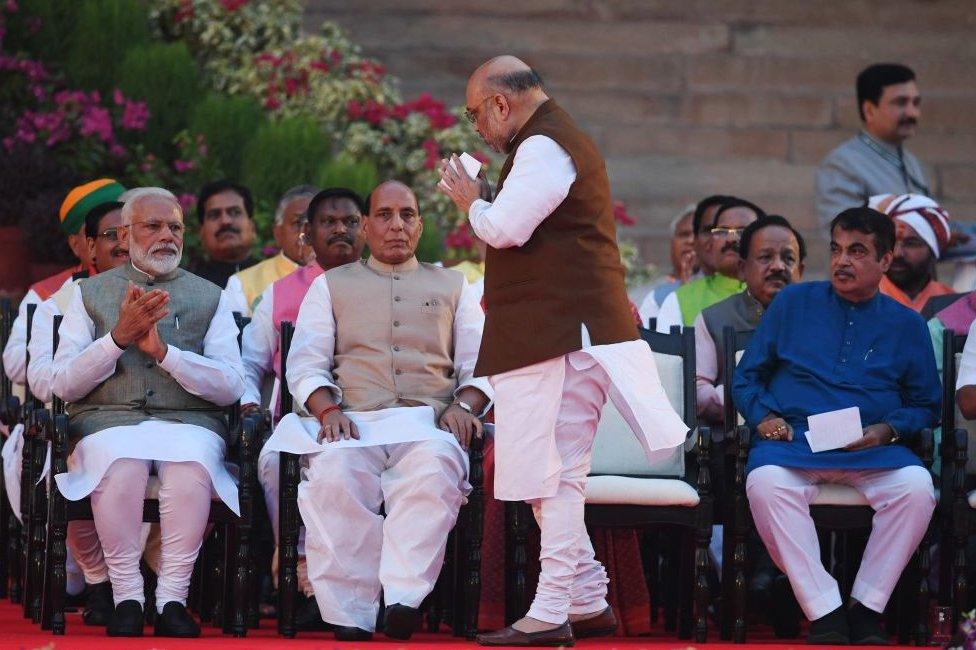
[[396, 348], [399, 372], [396, 298]]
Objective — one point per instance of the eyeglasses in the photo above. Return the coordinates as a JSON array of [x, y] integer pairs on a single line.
[[726, 233], [111, 234], [472, 113]]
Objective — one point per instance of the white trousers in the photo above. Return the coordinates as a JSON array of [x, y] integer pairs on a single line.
[[184, 505], [353, 552], [571, 581], [269, 464], [903, 500]]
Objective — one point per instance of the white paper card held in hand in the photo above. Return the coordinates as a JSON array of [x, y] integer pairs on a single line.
[[471, 164], [834, 429]]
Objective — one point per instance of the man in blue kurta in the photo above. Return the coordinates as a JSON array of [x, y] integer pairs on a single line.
[[824, 346]]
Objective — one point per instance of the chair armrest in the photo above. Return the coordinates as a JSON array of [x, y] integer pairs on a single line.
[[704, 455], [960, 439], [59, 444], [925, 447]]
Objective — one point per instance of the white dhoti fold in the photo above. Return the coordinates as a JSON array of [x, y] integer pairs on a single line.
[[113, 466], [403, 464], [157, 440], [546, 417], [13, 458]]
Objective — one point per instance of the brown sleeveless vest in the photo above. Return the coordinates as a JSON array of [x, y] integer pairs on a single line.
[[568, 274]]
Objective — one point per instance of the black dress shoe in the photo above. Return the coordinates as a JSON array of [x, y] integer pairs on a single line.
[[830, 629], [99, 605], [345, 633], [308, 618], [560, 636], [175, 621], [865, 626], [400, 621], [126, 620]]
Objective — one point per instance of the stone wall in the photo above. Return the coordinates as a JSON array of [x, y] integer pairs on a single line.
[[695, 97]]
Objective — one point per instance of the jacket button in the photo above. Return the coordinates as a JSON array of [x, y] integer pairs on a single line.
[[150, 392], [396, 348], [396, 323], [399, 372], [150, 364], [396, 277], [396, 298]]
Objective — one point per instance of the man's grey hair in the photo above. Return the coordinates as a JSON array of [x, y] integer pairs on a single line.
[[687, 211], [517, 81], [136, 195], [297, 192]]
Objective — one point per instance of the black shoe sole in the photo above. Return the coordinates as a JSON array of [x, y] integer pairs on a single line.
[[829, 638]]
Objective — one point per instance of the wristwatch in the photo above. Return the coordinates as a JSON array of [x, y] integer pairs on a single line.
[[464, 405]]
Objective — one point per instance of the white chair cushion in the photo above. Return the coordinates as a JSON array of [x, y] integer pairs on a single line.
[[616, 450], [832, 494], [624, 490]]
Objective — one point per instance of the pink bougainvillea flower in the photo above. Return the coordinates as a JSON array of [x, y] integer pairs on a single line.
[[135, 116], [117, 150], [187, 201], [183, 166], [97, 121], [433, 151], [620, 214], [184, 12], [233, 5]]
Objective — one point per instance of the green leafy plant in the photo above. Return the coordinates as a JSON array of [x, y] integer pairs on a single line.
[[283, 154], [360, 176], [166, 77], [104, 32], [227, 123]]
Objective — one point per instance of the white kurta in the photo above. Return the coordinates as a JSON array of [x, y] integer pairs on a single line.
[[237, 301], [670, 314], [258, 346], [540, 179], [15, 353], [82, 363]]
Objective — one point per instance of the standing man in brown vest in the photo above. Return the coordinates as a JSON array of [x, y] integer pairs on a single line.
[[559, 336]]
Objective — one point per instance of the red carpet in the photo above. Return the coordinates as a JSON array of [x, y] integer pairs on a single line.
[[18, 634]]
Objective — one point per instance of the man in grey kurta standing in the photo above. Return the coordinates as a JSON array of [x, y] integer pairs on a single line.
[[874, 161]]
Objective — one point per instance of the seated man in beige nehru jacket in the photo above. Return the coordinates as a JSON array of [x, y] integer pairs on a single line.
[[383, 357]]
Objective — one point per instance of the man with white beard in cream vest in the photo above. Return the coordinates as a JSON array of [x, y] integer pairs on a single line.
[[559, 336], [383, 358], [147, 361]]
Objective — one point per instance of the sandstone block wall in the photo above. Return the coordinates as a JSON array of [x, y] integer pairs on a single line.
[[694, 97]]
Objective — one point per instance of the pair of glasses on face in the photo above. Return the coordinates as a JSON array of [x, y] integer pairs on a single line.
[[472, 113], [111, 234], [726, 233]]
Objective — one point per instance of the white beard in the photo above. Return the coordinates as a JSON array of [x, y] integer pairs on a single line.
[[148, 262]]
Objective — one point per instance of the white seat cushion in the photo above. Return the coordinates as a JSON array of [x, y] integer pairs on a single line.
[[625, 490], [832, 494]]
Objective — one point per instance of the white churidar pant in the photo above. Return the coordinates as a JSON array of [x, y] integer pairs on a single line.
[[571, 581], [354, 553], [184, 504], [780, 498]]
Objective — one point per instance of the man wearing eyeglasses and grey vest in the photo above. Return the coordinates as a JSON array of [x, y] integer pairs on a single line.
[[148, 361], [559, 336]]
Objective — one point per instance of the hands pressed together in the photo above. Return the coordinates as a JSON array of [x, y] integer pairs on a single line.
[[139, 313], [460, 187]]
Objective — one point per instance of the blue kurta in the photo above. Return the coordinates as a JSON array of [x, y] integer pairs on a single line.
[[815, 352]]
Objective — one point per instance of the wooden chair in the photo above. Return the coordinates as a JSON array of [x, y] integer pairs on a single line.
[[461, 574], [836, 509], [9, 524], [232, 593], [623, 491], [956, 496]]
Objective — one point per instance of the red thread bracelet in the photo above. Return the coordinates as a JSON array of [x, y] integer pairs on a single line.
[[326, 411]]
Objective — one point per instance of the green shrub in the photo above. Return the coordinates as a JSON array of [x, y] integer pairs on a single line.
[[104, 31], [227, 123], [283, 154], [359, 176], [166, 77], [44, 29], [431, 245]]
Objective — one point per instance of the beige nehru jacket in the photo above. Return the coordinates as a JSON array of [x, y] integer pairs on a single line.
[[382, 336]]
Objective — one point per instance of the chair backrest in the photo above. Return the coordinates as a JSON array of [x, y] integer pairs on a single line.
[[7, 316], [615, 449], [952, 418], [735, 342], [286, 332]]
